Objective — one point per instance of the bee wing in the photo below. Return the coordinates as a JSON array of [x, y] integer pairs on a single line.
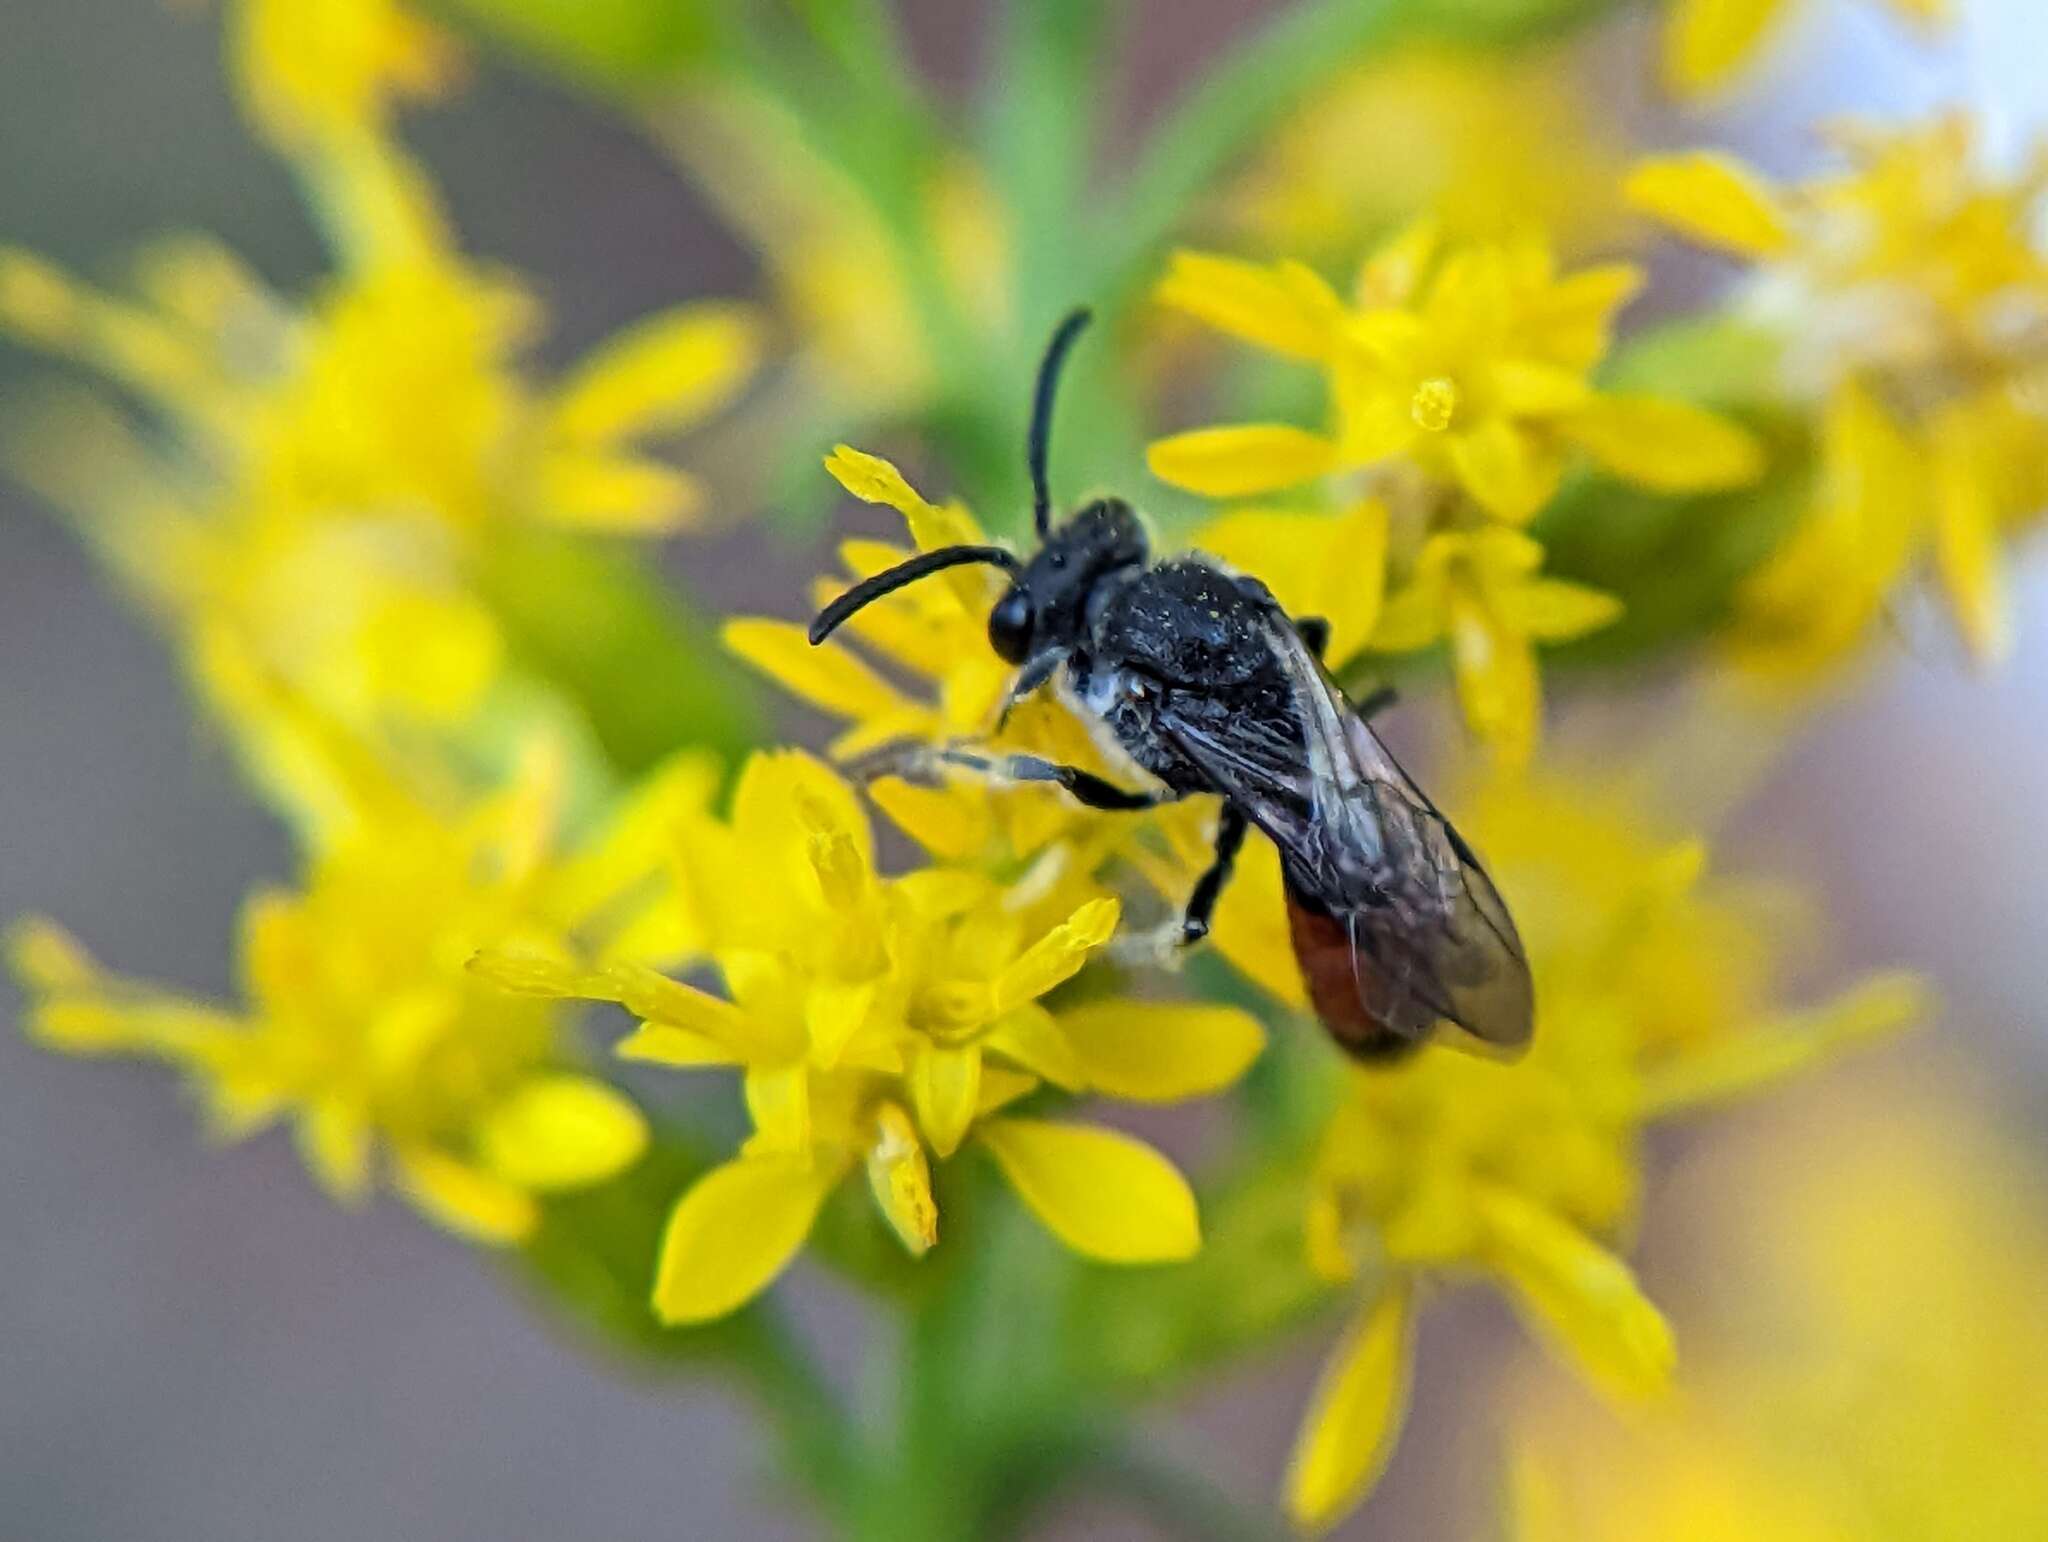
[[1398, 929]]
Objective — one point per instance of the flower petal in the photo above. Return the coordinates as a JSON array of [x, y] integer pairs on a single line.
[[1286, 308], [661, 374], [1102, 1193], [1669, 446], [1159, 1052], [1056, 957], [901, 1179], [465, 1199], [1554, 610], [1712, 198], [1355, 1416], [945, 1089], [1510, 472], [824, 675], [561, 1132], [736, 1228], [1234, 461], [1707, 41], [1579, 1296]]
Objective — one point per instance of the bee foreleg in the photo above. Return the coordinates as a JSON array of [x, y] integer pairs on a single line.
[[1086, 787], [1034, 674], [1377, 701], [1230, 829]]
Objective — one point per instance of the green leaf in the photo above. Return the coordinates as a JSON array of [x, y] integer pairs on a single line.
[[644, 667]]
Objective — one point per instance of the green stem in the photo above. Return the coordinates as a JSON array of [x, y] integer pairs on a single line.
[[821, 1447]]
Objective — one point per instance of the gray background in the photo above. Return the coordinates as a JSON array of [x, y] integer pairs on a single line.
[[192, 1345]]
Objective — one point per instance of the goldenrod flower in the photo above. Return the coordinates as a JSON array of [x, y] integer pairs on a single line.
[[1869, 1362], [1708, 42], [360, 1023], [320, 480], [1470, 362], [881, 1023], [1654, 996], [1913, 292], [1493, 143]]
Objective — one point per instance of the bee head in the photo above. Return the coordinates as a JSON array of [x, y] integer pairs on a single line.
[[1047, 604]]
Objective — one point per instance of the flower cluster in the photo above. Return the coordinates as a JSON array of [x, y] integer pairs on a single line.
[[321, 479], [1460, 386], [361, 1025], [1656, 994], [1880, 1376], [1912, 289], [881, 1023]]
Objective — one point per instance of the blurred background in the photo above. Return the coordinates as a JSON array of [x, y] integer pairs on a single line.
[[192, 1349]]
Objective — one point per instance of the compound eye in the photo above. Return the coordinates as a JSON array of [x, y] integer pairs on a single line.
[[1009, 626]]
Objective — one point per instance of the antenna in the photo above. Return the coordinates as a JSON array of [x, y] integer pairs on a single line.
[[868, 590], [1041, 415]]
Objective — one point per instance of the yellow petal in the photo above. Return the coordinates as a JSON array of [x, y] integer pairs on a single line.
[[1498, 686], [1235, 461], [1740, 1062], [661, 374], [1286, 308], [1714, 199], [334, 1142], [561, 1132], [1100, 1192], [901, 1179], [949, 822], [679, 1048], [615, 494], [1707, 41], [1056, 957], [1355, 1416], [1966, 546], [1553, 610], [1579, 1297], [1509, 472], [945, 1089], [1671, 447], [827, 676], [735, 1229], [1030, 1037], [465, 1199], [1159, 1052], [779, 1103], [873, 480]]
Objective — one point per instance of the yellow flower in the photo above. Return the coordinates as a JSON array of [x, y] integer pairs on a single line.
[[1655, 995], [321, 480], [1868, 1364], [1480, 590], [1914, 292], [937, 634], [1495, 144], [360, 1023], [880, 1024], [1469, 362], [1708, 42], [323, 69]]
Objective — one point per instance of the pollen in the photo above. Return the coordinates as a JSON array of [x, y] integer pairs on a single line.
[[1434, 404]]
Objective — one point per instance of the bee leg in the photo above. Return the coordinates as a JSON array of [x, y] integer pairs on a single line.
[[1315, 631], [1194, 924], [1377, 701], [1087, 789], [1034, 674]]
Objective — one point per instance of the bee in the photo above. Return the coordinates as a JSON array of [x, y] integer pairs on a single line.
[[1208, 686]]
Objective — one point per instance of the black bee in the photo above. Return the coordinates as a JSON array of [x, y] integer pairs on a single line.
[[1208, 685]]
